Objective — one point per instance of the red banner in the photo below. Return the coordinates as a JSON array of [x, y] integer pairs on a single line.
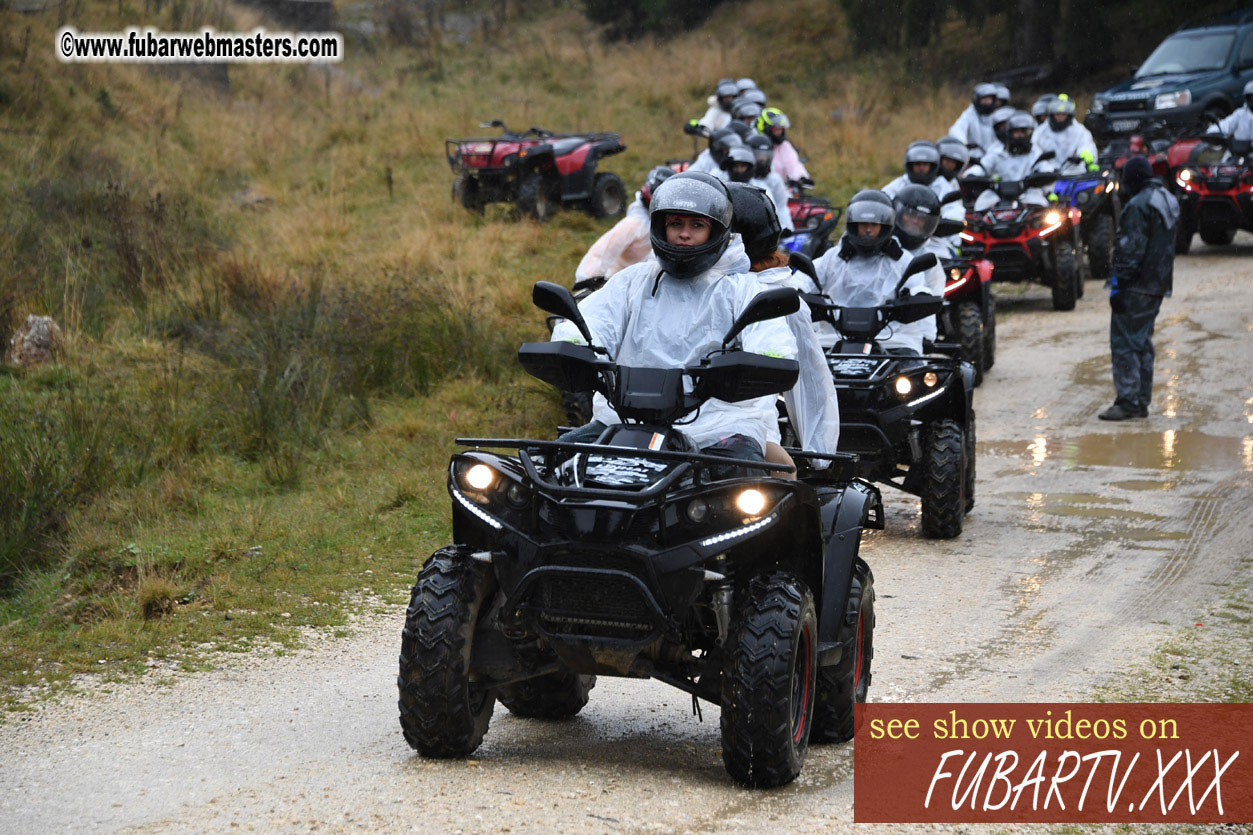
[[1053, 763]]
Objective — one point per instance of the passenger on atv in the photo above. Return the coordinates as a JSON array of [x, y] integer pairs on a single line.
[[720, 141], [954, 156], [627, 242], [863, 270], [742, 166], [1065, 137], [918, 215], [719, 112], [812, 408], [774, 123], [974, 126], [671, 311], [1014, 162], [922, 167]]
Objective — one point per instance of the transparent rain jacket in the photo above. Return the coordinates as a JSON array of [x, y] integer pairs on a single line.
[[970, 128], [853, 280], [1065, 144], [1010, 167], [625, 244], [646, 318], [811, 404]]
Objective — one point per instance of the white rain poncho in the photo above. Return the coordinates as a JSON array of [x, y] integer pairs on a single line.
[[787, 163], [811, 404], [773, 185], [1237, 125], [704, 163], [853, 280], [935, 281], [1064, 144], [652, 322], [625, 244], [1010, 167], [715, 118], [973, 128]]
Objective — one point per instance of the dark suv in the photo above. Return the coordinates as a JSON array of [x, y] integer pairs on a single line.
[[1201, 69]]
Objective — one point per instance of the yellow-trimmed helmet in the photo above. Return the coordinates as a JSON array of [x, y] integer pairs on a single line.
[[774, 123]]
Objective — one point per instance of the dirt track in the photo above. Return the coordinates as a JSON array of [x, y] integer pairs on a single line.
[[1090, 542]]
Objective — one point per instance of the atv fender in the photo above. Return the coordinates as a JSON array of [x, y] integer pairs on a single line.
[[845, 513]]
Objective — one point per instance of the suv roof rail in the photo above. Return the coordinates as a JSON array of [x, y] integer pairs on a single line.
[[1235, 17]]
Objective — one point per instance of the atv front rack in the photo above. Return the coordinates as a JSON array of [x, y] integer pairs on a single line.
[[628, 452]]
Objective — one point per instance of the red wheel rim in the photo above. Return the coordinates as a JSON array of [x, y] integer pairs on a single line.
[[857, 667], [801, 690]]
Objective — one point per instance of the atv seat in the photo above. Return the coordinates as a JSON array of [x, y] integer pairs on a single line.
[[561, 147]]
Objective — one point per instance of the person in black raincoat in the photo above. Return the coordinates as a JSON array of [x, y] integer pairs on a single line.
[[1143, 272]]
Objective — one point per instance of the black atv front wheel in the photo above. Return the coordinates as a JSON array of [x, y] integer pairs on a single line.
[[1216, 235], [970, 464], [1101, 246], [768, 682], [534, 199], [558, 695], [442, 712], [1065, 276], [465, 190], [989, 334], [609, 196], [970, 336], [944, 480], [844, 684]]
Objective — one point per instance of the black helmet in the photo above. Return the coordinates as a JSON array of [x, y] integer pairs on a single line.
[[725, 92], [756, 220], [950, 147], [917, 215], [1000, 121], [690, 193], [742, 130], [740, 155], [721, 141], [763, 153], [869, 206], [655, 178], [1136, 171], [1018, 132], [983, 91], [922, 151], [1063, 105]]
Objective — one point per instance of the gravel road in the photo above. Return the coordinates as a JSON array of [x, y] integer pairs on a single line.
[[1089, 544]]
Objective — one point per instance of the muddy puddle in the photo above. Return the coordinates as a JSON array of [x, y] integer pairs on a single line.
[[1169, 449]]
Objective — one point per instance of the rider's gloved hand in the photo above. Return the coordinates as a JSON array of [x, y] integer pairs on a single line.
[[1089, 159], [1117, 299]]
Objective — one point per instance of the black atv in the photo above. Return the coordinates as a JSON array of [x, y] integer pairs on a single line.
[[639, 556], [909, 420]]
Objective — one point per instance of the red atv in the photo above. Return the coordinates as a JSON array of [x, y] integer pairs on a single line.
[[1215, 193], [967, 325], [1025, 242], [813, 219], [538, 170]]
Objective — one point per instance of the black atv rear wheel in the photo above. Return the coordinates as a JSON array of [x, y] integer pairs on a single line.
[[465, 190], [534, 199], [989, 334], [558, 695], [842, 685], [943, 480], [442, 712], [1101, 246], [1216, 235], [768, 682], [970, 336], [609, 196], [1065, 276], [970, 464]]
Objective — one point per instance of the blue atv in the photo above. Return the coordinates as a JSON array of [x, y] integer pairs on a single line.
[[1095, 195]]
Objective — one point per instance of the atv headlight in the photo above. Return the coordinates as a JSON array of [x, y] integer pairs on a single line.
[[903, 386], [1052, 217], [697, 511], [930, 379], [751, 502], [479, 477]]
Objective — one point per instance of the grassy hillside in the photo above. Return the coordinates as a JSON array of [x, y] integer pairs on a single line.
[[277, 320]]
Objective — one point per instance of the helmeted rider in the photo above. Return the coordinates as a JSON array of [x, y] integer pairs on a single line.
[[954, 155], [1002, 94], [1238, 125], [812, 406], [922, 167], [627, 242], [740, 167], [774, 123], [755, 96], [1040, 108], [862, 270], [745, 110], [719, 112], [918, 212], [672, 310], [712, 158], [743, 84], [1000, 124], [1013, 162], [974, 125], [1066, 138]]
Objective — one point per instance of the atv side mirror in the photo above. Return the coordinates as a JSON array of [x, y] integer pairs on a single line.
[[920, 264], [769, 304], [802, 263], [1046, 156], [557, 300], [947, 227], [916, 307], [952, 197], [494, 123]]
